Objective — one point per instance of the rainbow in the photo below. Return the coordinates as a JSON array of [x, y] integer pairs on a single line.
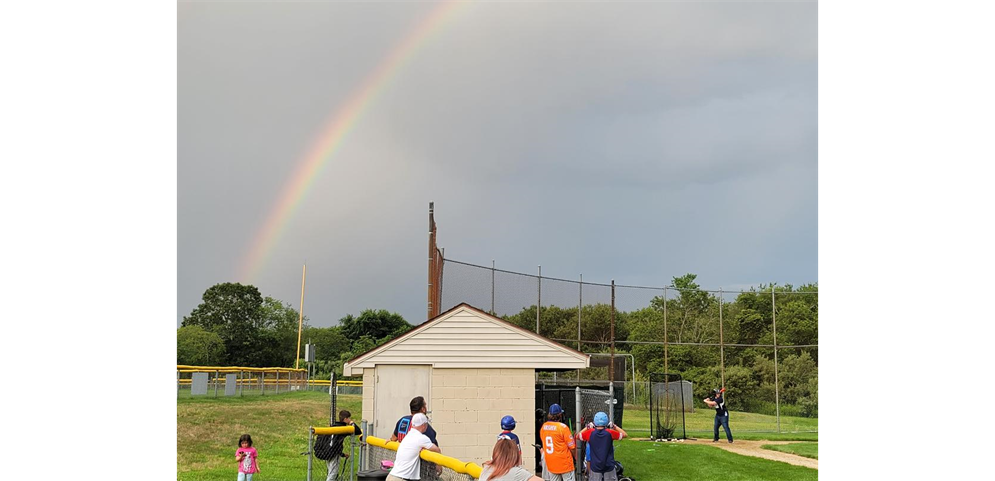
[[332, 136]]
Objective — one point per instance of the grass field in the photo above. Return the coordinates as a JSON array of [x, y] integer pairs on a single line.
[[743, 425], [809, 450], [207, 430], [645, 461]]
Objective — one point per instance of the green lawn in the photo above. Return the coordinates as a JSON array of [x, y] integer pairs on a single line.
[[809, 450], [207, 430], [743, 425], [648, 461]]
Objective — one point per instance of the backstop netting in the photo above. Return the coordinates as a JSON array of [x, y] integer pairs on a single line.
[[670, 398]]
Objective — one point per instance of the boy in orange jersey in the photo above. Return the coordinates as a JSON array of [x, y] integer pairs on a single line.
[[557, 447]]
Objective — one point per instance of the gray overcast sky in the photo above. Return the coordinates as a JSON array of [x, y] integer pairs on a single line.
[[634, 141]]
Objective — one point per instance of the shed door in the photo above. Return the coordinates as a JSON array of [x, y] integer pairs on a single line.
[[396, 385]]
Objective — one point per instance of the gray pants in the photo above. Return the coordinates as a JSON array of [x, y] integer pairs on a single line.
[[609, 476], [333, 469], [567, 476]]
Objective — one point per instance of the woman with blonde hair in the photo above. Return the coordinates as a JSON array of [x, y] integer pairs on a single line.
[[506, 464]]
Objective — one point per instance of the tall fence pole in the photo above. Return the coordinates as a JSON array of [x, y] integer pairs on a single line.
[[300, 321], [666, 370], [777, 397], [722, 351], [580, 307], [431, 257], [493, 311], [611, 374], [539, 301]]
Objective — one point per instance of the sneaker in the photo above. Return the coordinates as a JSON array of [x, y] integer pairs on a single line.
[[730, 441]]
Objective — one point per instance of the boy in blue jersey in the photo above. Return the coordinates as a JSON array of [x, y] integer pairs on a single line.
[[507, 426], [599, 439]]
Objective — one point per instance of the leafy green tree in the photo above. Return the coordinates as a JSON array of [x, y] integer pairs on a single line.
[[809, 404], [234, 312], [376, 324], [196, 346], [689, 314], [554, 322], [329, 342], [276, 344], [646, 325], [596, 325]]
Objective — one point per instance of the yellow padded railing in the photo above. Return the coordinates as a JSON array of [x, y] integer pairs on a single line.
[[452, 463]]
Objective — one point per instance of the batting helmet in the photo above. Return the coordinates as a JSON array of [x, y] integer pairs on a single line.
[[508, 423], [600, 419]]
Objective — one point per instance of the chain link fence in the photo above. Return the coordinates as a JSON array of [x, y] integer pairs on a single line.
[[324, 459], [237, 381], [761, 344]]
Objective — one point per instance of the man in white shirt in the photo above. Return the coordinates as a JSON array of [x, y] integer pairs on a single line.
[[407, 464]]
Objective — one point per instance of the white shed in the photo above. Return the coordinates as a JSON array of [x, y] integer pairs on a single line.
[[472, 368]]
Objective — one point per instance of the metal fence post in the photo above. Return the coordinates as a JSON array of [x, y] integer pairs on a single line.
[[352, 458], [580, 307], [215, 383], [493, 311], [310, 451], [577, 413], [362, 444]]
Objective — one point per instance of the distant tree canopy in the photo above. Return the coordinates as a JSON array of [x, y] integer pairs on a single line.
[[197, 346], [692, 317], [374, 323], [236, 325], [254, 331]]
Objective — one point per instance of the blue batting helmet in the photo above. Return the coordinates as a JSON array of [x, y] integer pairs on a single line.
[[600, 419], [508, 423], [555, 409]]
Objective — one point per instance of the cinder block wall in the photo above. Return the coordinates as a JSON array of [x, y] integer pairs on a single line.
[[467, 405]]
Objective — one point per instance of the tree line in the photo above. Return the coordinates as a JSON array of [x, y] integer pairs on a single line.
[[236, 325]]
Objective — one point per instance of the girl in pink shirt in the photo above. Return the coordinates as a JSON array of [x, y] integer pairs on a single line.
[[246, 456]]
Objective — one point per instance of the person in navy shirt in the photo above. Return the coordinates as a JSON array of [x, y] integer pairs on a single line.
[[417, 405], [721, 414], [507, 426], [600, 441]]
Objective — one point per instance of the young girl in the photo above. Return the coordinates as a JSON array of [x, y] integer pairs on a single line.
[[246, 456]]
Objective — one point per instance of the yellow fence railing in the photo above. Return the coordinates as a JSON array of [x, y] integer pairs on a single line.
[[230, 369], [462, 467]]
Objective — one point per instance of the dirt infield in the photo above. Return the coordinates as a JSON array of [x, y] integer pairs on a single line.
[[752, 448]]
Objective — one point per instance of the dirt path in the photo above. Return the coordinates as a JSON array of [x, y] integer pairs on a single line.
[[752, 448]]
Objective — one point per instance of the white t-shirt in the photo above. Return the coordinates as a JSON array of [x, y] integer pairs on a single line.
[[407, 464], [516, 473]]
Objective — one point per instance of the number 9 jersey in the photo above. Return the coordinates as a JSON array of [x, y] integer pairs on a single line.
[[556, 445]]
